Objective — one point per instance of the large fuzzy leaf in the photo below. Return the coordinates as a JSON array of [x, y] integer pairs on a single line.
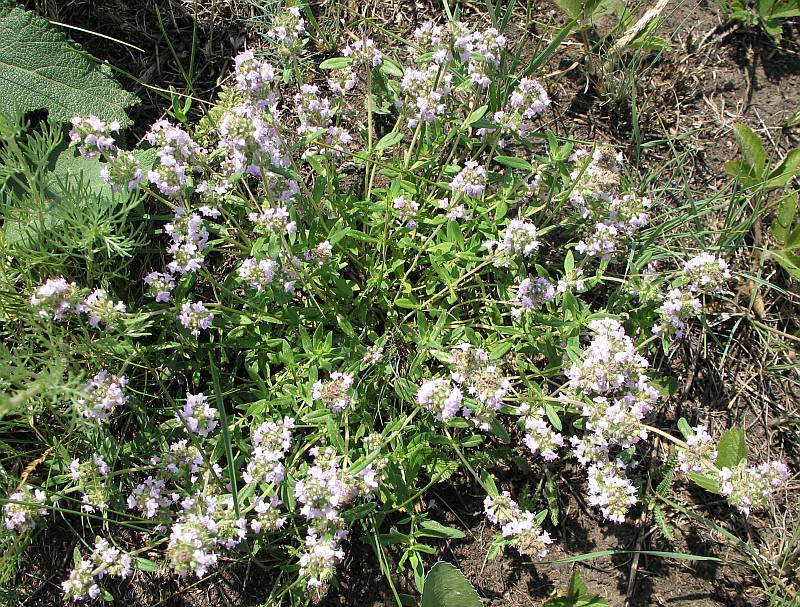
[[41, 69]]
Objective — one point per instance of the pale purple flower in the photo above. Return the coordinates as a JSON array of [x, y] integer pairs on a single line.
[[363, 52], [122, 172], [707, 273], [700, 452], [22, 516], [335, 392], [470, 181], [610, 490], [93, 135], [198, 416], [440, 397], [102, 395], [318, 561], [531, 295], [160, 285], [101, 308], [54, 298], [195, 317], [255, 78], [271, 441]]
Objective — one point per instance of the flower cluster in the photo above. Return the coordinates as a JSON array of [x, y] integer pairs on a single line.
[[406, 210], [363, 52], [699, 451], [92, 135], [521, 238], [204, 525], [55, 297], [745, 487], [90, 476], [189, 239], [527, 102], [248, 142], [518, 527], [274, 221], [424, 92], [101, 308], [751, 487], [678, 306], [287, 28], [254, 78], [476, 388], [610, 490], [706, 273], [271, 441], [470, 181], [539, 436], [324, 490], [198, 416], [23, 508], [159, 286], [485, 384], [531, 295], [440, 397], [616, 396], [334, 393], [105, 560], [150, 498], [597, 195], [122, 171], [178, 156], [259, 274], [103, 394], [195, 317]]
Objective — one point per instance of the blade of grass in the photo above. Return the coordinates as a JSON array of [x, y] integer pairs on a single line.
[[226, 435]]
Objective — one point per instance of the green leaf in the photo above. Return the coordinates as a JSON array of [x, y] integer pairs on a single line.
[[41, 69], [787, 209], [474, 116], [436, 529], [783, 173], [789, 261], [143, 564], [446, 586], [487, 482], [336, 63], [731, 449], [685, 428], [751, 148], [389, 140], [706, 482], [513, 162]]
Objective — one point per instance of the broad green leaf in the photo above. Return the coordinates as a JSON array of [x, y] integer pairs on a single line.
[[731, 449], [475, 115], [783, 173], [513, 162], [446, 586], [750, 147], [41, 69], [706, 482], [787, 209], [789, 262], [685, 428], [436, 529], [143, 564], [389, 140], [336, 63]]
